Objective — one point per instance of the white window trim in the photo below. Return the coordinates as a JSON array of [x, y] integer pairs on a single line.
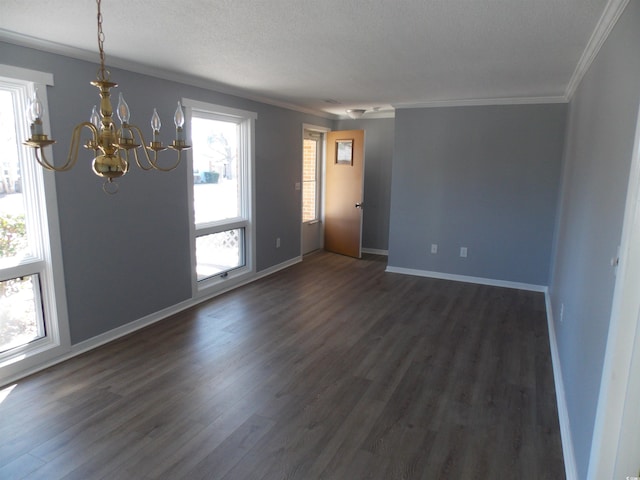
[[321, 174], [218, 283], [319, 137], [37, 354]]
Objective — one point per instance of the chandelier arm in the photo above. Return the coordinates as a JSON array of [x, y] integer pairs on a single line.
[[153, 162], [75, 144], [135, 157], [41, 158], [131, 137], [155, 165], [137, 131], [167, 169], [44, 163], [146, 168]]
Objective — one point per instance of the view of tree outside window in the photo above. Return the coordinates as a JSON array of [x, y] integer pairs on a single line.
[[216, 195], [21, 319], [215, 170]]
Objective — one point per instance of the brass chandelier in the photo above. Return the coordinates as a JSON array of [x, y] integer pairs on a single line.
[[111, 146]]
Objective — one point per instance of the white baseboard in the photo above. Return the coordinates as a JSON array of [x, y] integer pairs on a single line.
[[375, 251], [468, 279], [150, 319], [571, 470], [276, 268]]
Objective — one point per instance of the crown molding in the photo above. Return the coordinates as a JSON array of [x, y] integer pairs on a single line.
[[612, 12], [475, 102], [608, 20], [116, 62]]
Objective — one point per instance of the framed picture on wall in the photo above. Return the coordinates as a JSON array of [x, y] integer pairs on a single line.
[[344, 152]]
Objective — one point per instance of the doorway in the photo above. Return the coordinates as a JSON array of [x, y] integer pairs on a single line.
[[332, 190]]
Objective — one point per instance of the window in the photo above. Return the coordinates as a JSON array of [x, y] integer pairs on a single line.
[[33, 323], [222, 191], [312, 154]]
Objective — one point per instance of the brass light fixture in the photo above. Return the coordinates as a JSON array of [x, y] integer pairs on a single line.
[[111, 146], [356, 113]]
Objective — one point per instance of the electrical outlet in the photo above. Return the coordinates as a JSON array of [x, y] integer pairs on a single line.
[[434, 248], [463, 252], [278, 242]]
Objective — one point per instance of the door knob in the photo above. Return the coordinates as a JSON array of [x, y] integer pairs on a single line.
[[359, 205]]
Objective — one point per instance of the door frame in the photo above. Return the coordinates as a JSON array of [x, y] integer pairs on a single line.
[[321, 194]]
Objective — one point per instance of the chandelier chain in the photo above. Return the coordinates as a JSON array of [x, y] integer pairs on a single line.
[[103, 73]]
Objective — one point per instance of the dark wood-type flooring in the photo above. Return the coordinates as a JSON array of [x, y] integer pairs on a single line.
[[330, 369]]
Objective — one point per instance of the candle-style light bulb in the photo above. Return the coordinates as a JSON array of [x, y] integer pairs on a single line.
[[155, 121], [35, 110], [95, 117], [155, 124], [178, 119], [123, 109]]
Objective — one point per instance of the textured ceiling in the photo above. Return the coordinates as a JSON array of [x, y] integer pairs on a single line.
[[359, 53]]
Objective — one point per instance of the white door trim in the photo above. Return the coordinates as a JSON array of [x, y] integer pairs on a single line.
[[323, 131]]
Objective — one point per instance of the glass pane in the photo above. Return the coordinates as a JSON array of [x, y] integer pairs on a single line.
[[310, 160], [216, 189], [309, 168], [219, 252], [308, 201], [13, 235], [20, 322]]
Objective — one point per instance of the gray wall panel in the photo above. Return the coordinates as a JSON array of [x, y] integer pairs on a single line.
[[485, 178], [602, 121]]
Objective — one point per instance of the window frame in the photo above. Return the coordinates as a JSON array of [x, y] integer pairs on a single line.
[[319, 138], [45, 260], [245, 221]]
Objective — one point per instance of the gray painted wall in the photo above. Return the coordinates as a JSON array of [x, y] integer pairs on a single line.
[[602, 120], [127, 256], [481, 177], [378, 152]]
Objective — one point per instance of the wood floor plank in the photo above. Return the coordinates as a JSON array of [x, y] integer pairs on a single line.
[[332, 369]]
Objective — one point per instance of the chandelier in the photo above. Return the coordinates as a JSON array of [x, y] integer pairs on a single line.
[[112, 146]]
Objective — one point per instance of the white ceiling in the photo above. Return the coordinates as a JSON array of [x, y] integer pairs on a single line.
[[359, 53]]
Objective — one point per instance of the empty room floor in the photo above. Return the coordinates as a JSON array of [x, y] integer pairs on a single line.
[[330, 369]]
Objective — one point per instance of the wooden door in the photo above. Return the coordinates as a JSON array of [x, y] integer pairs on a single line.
[[344, 192]]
